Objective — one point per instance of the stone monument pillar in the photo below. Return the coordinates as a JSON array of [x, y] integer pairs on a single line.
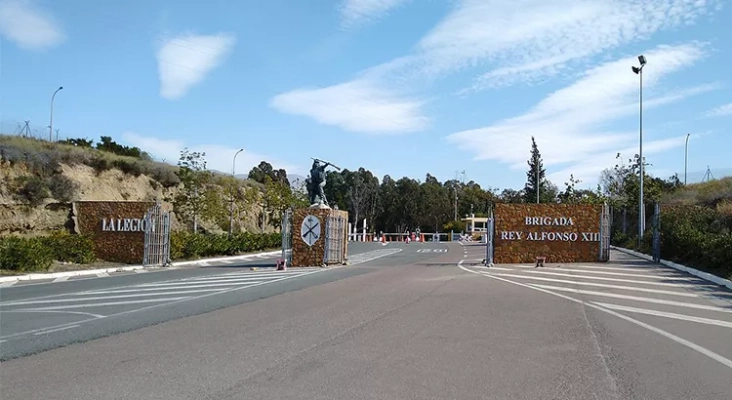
[[319, 232]]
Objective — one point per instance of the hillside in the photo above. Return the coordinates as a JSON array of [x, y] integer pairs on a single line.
[[715, 194], [40, 179]]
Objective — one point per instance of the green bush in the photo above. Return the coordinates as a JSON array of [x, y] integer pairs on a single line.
[[100, 164], [129, 167], [32, 189], [66, 247], [695, 236], [187, 245], [24, 254], [62, 188]]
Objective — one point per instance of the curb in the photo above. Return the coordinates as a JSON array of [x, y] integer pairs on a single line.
[[699, 274], [30, 277], [52, 275]]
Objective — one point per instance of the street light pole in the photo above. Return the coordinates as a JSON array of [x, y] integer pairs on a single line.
[[231, 203], [641, 205], [686, 156], [50, 124]]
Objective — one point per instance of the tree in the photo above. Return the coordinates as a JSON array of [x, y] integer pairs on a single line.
[[537, 173], [194, 199], [511, 196], [265, 171], [572, 195]]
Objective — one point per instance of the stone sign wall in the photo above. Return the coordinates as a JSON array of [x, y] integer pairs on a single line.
[[117, 228], [311, 254], [562, 233]]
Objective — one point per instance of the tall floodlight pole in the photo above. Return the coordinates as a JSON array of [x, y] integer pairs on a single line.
[[231, 203], [686, 156], [50, 124], [641, 206]]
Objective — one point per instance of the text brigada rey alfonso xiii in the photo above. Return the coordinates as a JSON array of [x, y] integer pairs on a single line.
[[550, 236]]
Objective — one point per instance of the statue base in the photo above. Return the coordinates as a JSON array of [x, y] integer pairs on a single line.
[[319, 236]]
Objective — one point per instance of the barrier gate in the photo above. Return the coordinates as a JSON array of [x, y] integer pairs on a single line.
[[287, 237], [489, 234], [605, 233], [157, 237]]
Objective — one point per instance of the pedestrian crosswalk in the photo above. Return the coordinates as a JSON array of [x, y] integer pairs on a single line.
[[109, 301], [625, 285]]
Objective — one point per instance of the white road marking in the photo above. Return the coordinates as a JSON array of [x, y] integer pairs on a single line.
[[8, 284], [257, 275], [722, 360], [207, 282], [102, 275], [61, 279], [51, 311], [500, 269], [620, 268], [73, 299], [658, 291], [55, 330], [634, 298], [111, 303], [636, 275], [602, 278], [151, 289], [226, 290], [665, 314], [140, 271]]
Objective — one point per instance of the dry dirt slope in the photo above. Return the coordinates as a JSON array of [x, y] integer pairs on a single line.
[[19, 158]]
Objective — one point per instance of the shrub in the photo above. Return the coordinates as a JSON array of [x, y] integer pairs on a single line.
[[62, 188], [20, 254], [165, 176], [186, 245], [32, 189], [128, 167], [66, 247], [100, 164]]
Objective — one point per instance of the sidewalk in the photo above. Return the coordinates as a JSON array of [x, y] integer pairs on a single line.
[[83, 272]]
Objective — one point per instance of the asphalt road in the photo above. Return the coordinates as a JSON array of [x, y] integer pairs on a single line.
[[42, 316], [426, 322]]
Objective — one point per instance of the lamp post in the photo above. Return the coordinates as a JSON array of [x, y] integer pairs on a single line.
[[231, 204], [641, 206], [50, 124], [686, 156]]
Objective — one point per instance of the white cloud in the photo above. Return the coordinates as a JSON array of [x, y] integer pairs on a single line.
[[357, 106], [589, 169], [354, 12], [29, 26], [721, 111], [530, 39], [185, 60], [219, 158], [570, 124]]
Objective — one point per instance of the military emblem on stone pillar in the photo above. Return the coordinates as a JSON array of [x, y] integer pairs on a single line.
[[310, 230]]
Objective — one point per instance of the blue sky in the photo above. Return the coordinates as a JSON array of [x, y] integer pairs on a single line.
[[401, 87]]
